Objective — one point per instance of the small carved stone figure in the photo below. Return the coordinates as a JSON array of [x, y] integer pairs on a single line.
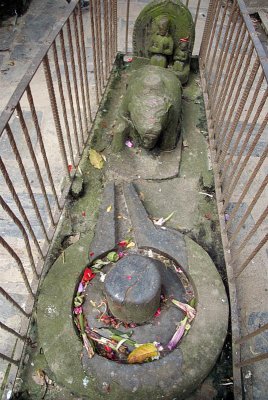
[[150, 113], [162, 43], [181, 64]]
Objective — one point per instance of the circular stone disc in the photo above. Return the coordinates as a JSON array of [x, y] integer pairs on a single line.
[[133, 288]]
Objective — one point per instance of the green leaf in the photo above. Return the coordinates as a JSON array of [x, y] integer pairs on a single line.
[[144, 352], [98, 264], [112, 256], [78, 301], [96, 159]]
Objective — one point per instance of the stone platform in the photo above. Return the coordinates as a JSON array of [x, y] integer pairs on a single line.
[[177, 374]]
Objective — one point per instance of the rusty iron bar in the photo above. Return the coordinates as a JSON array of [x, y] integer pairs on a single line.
[[19, 263], [115, 25], [245, 122], [196, 12], [111, 32], [228, 194], [231, 66], [208, 32], [251, 233], [84, 62], [254, 38], [69, 90], [13, 302], [106, 38], [245, 338], [41, 144], [34, 160], [99, 42], [63, 103], [81, 78], [216, 44], [224, 144], [230, 86], [249, 209], [252, 255], [25, 179], [11, 331], [252, 360], [95, 59], [9, 360], [20, 207], [127, 27], [55, 112], [36, 62], [18, 223], [70, 42], [224, 126], [224, 53]]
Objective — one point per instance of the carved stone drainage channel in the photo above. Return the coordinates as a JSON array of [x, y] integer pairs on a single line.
[[163, 264]]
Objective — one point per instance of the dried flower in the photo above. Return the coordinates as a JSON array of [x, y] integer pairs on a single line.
[[186, 308], [78, 310], [177, 335], [80, 288], [129, 143], [158, 312]]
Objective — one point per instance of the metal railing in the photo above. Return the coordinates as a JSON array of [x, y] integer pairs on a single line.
[[43, 131], [46, 124], [234, 69]]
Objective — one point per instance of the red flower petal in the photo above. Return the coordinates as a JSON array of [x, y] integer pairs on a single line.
[[129, 277], [158, 312], [70, 167], [83, 213], [91, 254], [123, 243], [88, 275]]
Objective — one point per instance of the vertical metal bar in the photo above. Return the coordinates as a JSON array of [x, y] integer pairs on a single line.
[[82, 83], [69, 90], [224, 126], [96, 64], [20, 207], [127, 24], [231, 66], [55, 113], [115, 26], [99, 41], [212, 17], [41, 144], [11, 331], [13, 302], [251, 233], [15, 219], [224, 53], [111, 32], [249, 209], [63, 105], [245, 122], [252, 255], [70, 41], [34, 160], [229, 190], [197, 11], [106, 38], [224, 144], [84, 60], [217, 43], [25, 179], [19, 263]]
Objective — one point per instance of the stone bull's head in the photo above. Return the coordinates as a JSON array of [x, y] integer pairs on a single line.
[[150, 118]]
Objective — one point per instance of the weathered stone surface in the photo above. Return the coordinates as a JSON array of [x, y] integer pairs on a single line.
[[77, 186], [132, 163], [151, 110], [148, 236], [133, 288]]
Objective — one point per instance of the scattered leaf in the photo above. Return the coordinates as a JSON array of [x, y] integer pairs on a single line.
[[39, 377], [96, 159], [109, 209], [112, 256], [144, 352], [130, 245], [78, 301], [104, 157], [141, 196]]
